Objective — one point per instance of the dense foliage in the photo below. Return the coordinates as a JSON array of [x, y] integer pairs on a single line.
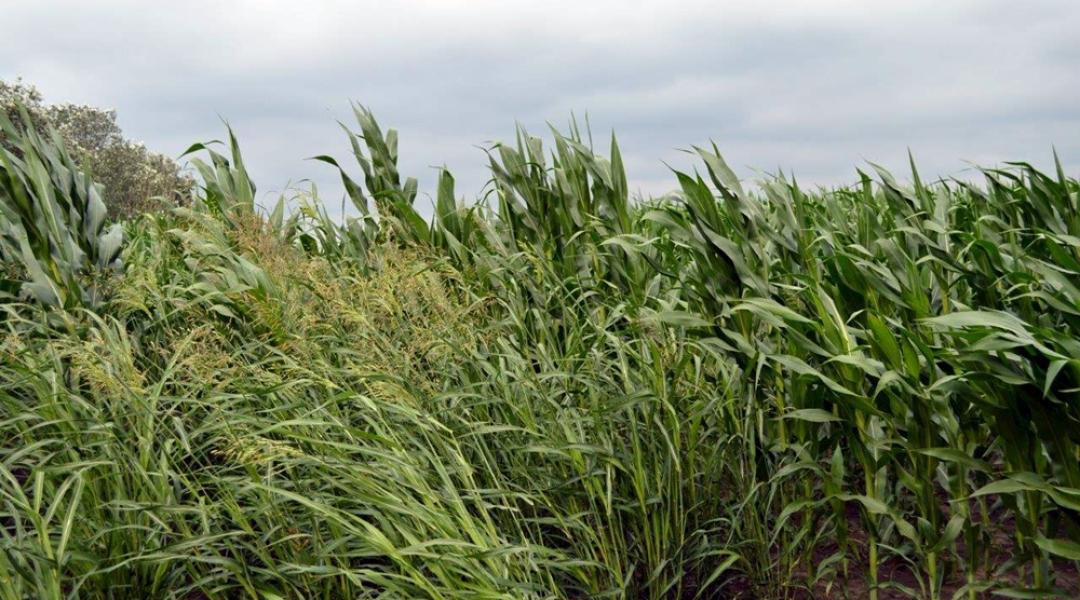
[[135, 178], [770, 393]]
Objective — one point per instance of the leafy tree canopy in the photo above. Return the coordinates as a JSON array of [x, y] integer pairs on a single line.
[[136, 179]]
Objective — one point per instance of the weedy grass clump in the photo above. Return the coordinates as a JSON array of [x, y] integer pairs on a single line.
[[559, 392]]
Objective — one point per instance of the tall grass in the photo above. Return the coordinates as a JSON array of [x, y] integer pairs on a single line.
[[757, 392]]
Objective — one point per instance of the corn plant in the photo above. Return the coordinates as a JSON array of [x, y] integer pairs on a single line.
[[54, 237], [735, 390]]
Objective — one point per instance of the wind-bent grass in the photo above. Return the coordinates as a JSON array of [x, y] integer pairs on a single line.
[[562, 394]]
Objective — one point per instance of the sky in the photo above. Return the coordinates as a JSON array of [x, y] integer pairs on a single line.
[[814, 88]]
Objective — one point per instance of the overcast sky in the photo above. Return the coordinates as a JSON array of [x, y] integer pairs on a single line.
[[817, 88]]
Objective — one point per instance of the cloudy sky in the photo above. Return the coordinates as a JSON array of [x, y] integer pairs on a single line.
[[817, 88]]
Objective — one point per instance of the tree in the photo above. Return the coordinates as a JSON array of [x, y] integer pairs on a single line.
[[136, 179]]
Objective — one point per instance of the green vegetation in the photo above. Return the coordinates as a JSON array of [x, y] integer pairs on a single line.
[[137, 179], [771, 393]]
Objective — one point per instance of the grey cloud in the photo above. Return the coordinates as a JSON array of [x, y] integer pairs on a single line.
[[810, 87]]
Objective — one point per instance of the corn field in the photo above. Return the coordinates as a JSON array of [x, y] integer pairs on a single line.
[[558, 392]]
